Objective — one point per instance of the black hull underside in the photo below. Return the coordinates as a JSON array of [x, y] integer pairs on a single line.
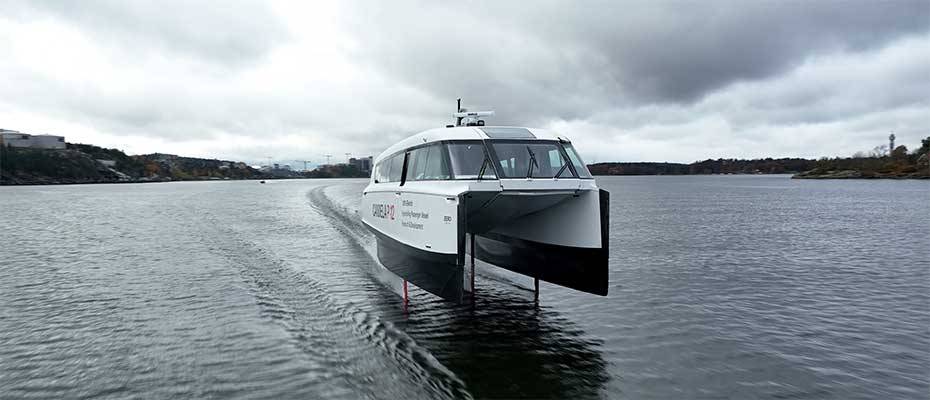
[[579, 268], [437, 273]]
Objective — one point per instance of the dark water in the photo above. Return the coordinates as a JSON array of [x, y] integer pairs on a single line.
[[721, 287]]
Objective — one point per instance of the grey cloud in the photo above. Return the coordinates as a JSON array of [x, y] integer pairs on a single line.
[[225, 33], [331, 114], [828, 106], [833, 88], [627, 81], [565, 59], [685, 51]]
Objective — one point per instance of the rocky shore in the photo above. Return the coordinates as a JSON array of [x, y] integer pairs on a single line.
[[853, 174], [81, 163], [899, 163]]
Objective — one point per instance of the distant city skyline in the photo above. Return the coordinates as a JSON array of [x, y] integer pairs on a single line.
[[308, 165], [626, 81], [57, 141]]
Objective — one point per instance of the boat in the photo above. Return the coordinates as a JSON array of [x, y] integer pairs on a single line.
[[513, 197]]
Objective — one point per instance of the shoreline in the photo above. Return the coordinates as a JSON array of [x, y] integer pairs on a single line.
[[3, 184], [823, 176], [853, 174]]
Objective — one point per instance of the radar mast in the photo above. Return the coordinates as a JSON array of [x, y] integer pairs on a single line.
[[463, 117]]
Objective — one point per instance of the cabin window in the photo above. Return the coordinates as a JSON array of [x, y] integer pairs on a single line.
[[576, 161], [469, 161], [427, 164], [436, 168], [397, 168], [416, 164], [536, 159], [380, 173], [389, 169], [555, 159]]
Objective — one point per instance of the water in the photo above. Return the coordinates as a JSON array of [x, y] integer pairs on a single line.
[[721, 287]]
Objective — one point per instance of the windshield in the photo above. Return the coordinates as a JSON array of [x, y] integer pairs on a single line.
[[530, 159], [469, 162], [576, 161]]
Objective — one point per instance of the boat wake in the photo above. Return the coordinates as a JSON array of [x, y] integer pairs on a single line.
[[315, 275], [344, 339], [499, 322]]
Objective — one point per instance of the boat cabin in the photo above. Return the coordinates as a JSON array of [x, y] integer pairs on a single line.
[[479, 153]]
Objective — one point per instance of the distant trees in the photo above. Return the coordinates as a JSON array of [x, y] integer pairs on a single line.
[[924, 147], [80, 163], [151, 168], [899, 153], [335, 171], [5, 164], [640, 168], [26, 164], [124, 163], [877, 162], [718, 166], [169, 166], [879, 151]]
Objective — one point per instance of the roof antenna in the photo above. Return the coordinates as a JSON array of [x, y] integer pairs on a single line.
[[471, 118]]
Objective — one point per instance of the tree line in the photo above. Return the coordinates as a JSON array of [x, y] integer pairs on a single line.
[[877, 162]]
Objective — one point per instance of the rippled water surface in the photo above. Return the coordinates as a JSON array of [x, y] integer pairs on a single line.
[[721, 287]]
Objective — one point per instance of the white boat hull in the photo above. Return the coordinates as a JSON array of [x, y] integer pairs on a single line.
[[424, 232]]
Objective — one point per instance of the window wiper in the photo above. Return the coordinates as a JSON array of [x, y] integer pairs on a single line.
[[529, 168], [484, 165], [561, 170]]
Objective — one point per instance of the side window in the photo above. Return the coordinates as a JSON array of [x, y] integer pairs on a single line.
[[416, 164], [436, 168], [397, 168], [427, 164], [576, 161], [381, 171]]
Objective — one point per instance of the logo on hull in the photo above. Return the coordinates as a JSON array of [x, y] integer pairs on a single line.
[[384, 211]]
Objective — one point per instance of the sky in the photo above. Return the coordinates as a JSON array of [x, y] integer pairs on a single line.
[[626, 81]]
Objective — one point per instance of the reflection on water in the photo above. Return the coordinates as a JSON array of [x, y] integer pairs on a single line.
[[506, 346], [721, 287]]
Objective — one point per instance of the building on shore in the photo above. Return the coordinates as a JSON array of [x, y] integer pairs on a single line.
[[25, 140], [363, 164]]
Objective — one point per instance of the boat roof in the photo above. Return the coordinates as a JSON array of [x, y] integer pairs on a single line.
[[472, 133]]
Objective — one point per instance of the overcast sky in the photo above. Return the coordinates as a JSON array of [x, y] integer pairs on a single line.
[[627, 81]]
